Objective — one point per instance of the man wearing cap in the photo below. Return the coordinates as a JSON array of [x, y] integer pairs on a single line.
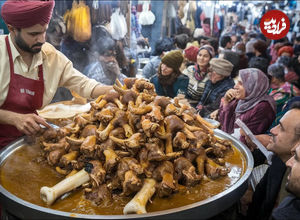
[[169, 81], [217, 85], [31, 70]]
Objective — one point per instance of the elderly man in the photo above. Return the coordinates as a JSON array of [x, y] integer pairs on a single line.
[[106, 69], [289, 208], [31, 70], [217, 85], [284, 137]]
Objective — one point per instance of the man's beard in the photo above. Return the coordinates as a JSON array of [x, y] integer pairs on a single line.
[[111, 69], [292, 186], [23, 46]]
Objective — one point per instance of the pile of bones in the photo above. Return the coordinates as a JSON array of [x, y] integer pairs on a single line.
[[133, 143]]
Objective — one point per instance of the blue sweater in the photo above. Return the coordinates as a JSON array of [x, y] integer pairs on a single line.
[[212, 95], [178, 87]]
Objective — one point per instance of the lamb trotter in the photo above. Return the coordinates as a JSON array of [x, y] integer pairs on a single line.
[[136, 143]]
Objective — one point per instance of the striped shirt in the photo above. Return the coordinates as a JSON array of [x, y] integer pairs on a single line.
[[195, 87]]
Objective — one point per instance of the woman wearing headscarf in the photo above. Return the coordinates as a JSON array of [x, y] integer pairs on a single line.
[[198, 74], [249, 102], [281, 90], [169, 81]]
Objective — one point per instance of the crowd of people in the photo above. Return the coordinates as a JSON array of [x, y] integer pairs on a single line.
[[238, 76]]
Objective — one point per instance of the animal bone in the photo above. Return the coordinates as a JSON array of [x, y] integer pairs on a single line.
[[133, 142], [140, 110], [138, 204], [50, 194]]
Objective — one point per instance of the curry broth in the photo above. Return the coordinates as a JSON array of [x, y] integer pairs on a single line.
[[24, 177]]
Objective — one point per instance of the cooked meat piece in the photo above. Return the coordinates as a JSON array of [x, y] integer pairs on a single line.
[[131, 183], [128, 163], [128, 82], [143, 157], [80, 121], [192, 152], [89, 130], [141, 84], [180, 141], [155, 115], [111, 160], [105, 115], [135, 141], [214, 170], [162, 169], [66, 159], [164, 174], [129, 96], [162, 101], [97, 174], [149, 127], [155, 152], [62, 144], [186, 172], [99, 195], [118, 133], [50, 134], [88, 146], [54, 156], [134, 121], [143, 98]]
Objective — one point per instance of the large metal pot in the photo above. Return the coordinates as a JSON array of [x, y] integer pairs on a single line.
[[198, 210]]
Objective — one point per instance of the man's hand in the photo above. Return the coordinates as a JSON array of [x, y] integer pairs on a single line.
[[262, 138], [29, 124]]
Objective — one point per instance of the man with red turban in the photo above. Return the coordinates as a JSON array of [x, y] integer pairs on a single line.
[[31, 70]]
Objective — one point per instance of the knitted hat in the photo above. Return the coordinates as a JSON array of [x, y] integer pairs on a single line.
[[261, 46], [191, 53], [286, 49], [221, 66], [173, 59], [209, 49]]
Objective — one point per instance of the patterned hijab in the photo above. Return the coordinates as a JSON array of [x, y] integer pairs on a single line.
[[256, 85]]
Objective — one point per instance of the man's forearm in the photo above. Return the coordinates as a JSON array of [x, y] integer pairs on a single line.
[[100, 90], [7, 117]]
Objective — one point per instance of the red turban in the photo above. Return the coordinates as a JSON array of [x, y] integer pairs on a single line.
[[191, 53], [26, 13], [286, 49]]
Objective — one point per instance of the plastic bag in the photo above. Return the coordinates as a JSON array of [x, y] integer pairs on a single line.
[[78, 21], [146, 17], [118, 25]]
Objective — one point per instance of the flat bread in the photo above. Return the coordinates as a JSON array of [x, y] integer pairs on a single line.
[[61, 110]]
